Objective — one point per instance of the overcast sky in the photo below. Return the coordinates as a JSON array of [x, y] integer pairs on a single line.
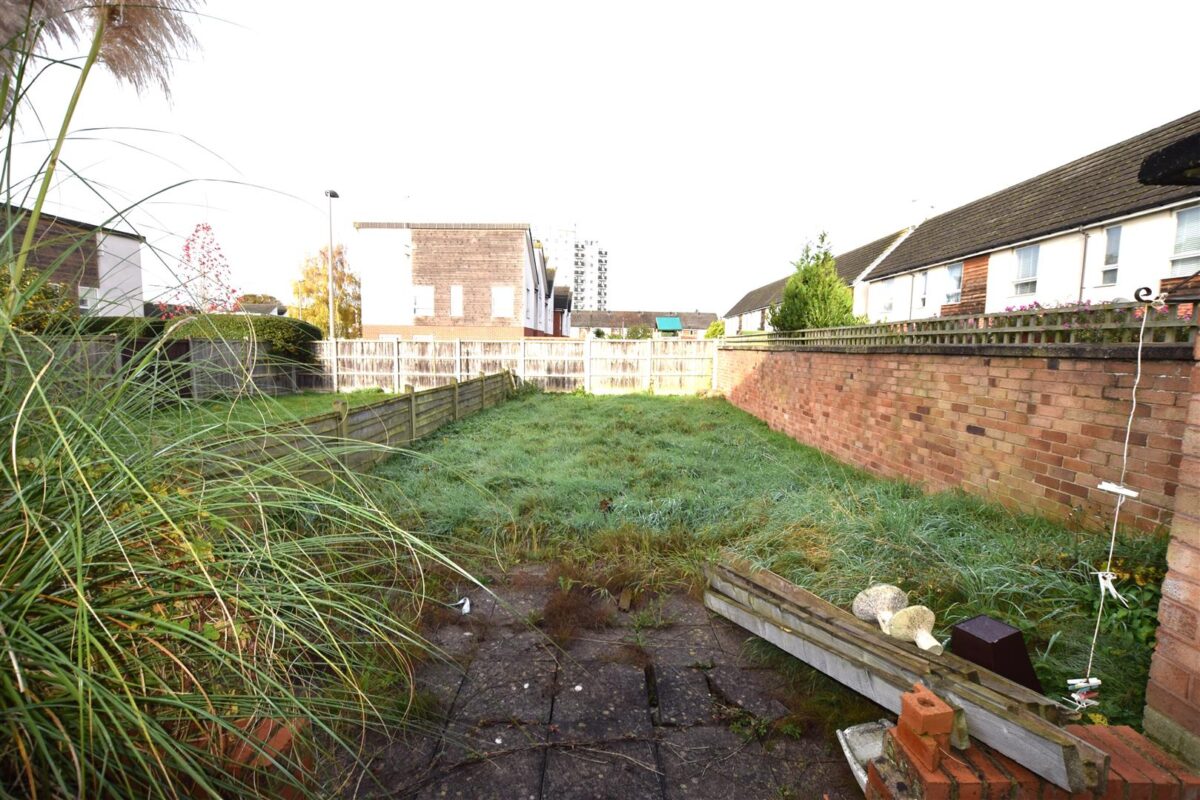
[[704, 143]]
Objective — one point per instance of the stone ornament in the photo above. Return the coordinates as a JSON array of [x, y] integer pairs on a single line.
[[878, 603]]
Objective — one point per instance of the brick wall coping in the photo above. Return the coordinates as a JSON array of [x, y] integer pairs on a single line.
[[1153, 351]]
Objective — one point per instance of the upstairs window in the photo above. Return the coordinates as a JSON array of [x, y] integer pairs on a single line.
[[954, 283], [1112, 255], [921, 290], [456, 301], [1186, 260], [503, 302], [422, 301], [886, 288], [1027, 269]]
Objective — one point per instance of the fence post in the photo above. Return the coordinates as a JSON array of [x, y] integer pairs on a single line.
[[587, 365], [521, 363], [458, 373], [396, 366], [333, 354], [716, 379], [412, 413], [454, 383], [482, 390], [649, 368]]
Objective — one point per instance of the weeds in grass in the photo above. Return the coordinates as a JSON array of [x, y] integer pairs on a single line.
[[642, 491]]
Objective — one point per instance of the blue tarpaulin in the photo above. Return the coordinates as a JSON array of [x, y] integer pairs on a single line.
[[668, 323]]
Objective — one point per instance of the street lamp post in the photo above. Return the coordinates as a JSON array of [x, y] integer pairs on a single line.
[[333, 354]]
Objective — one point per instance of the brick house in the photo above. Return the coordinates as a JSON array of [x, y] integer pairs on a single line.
[[752, 312], [100, 266], [1085, 231], [429, 281]]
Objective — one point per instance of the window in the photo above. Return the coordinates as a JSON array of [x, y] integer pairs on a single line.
[[886, 288], [1186, 260], [503, 302], [921, 290], [954, 283], [456, 301], [1027, 268], [1112, 255], [422, 301]]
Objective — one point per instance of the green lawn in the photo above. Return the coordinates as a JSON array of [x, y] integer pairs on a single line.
[[641, 490], [226, 415]]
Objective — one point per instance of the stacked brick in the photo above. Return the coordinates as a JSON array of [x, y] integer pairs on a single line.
[[918, 764], [1037, 434], [1173, 695]]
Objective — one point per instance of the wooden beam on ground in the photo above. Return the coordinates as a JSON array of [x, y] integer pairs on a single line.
[[881, 669]]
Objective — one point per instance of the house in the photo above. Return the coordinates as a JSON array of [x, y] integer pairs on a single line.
[[1085, 231], [100, 266], [440, 280], [616, 324], [752, 312], [562, 311]]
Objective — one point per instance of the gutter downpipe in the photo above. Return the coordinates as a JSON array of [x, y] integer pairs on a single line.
[[1082, 263]]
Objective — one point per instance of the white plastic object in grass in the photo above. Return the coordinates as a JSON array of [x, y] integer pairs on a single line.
[[915, 624], [878, 603]]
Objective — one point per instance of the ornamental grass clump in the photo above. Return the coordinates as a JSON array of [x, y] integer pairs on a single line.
[[180, 616]]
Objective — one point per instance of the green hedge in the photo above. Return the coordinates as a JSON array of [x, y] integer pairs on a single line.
[[286, 338], [124, 327]]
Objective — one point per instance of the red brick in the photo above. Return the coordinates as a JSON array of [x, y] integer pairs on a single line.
[[1189, 780], [933, 784], [1164, 785], [924, 749], [1028, 785], [922, 711]]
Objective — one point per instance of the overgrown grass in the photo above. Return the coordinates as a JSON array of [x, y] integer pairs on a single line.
[[641, 491]]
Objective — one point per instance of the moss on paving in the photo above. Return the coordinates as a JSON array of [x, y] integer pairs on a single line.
[[641, 490]]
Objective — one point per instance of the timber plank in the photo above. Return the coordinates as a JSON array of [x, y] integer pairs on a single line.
[[835, 642]]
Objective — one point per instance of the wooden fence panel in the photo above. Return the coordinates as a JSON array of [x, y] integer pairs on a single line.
[[602, 366]]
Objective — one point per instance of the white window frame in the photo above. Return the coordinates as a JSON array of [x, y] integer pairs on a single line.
[[1108, 272], [419, 294], [501, 304], [923, 295], [456, 300], [1026, 280], [889, 304], [954, 293], [1180, 266]]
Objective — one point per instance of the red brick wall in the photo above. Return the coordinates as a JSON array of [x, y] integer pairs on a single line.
[[1031, 433], [477, 260], [1173, 696]]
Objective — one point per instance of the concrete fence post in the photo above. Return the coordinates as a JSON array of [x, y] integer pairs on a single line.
[[587, 364], [333, 356], [396, 366], [648, 369], [716, 374], [454, 385]]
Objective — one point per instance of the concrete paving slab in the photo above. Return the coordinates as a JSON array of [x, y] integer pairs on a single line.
[[683, 697], [597, 701], [752, 690], [709, 762], [517, 776], [681, 646], [515, 644], [506, 691], [627, 770], [809, 766]]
